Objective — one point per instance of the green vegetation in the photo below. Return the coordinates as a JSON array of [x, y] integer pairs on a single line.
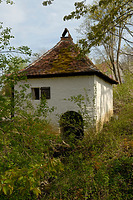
[[63, 61], [36, 164], [106, 30]]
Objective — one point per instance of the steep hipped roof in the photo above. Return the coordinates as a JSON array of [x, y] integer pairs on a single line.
[[63, 60]]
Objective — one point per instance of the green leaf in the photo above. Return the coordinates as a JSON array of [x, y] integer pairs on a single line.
[[11, 189], [7, 181], [36, 191], [20, 178], [5, 189]]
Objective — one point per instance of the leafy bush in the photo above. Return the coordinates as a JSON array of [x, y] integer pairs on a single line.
[[24, 157], [123, 94], [100, 166], [97, 167], [121, 179], [25, 148]]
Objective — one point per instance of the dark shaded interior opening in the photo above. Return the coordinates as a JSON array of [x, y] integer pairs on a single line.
[[35, 93], [45, 92], [71, 123]]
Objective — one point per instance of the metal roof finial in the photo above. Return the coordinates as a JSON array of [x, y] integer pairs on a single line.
[[66, 31]]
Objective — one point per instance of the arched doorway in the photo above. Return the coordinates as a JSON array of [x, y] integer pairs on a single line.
[[71, 124]]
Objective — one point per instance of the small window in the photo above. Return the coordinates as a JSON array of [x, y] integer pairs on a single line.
[[45, 92], [35, 93]]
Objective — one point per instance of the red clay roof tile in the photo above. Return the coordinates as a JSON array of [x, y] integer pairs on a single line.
[[63, 59]]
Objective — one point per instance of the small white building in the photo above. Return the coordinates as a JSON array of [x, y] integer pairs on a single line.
[[62, 73]]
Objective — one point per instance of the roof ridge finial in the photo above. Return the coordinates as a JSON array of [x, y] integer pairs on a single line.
[[64, 34]]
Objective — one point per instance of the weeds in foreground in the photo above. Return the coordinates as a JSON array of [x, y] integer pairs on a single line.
[[35, 164], [100, 166]]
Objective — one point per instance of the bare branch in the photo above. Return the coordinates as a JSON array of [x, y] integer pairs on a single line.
[[129, 31], [121, 51], [121, 37], [104, 57]]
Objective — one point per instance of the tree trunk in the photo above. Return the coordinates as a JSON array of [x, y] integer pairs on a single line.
[[12, 101], [118, 53]]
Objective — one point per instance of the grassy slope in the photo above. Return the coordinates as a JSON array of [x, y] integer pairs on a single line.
[[100, 167]]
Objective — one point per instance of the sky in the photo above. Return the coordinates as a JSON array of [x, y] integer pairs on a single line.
[[37, 26]]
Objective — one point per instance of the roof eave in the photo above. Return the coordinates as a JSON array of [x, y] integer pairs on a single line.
[[98, 73]]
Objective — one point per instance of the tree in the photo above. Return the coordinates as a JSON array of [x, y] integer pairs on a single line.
[[11, 57], [7, 1], [111, 25], [11, 61], [126, 60], [110, 42], [114, 13], [49, 2], [120, 11], [107, 24]]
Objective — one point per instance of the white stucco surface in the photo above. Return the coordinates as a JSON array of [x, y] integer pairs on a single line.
[[104, 99], [64, 87]]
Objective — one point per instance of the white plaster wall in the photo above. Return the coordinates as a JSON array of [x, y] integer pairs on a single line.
[[104, 100], [61, 88]]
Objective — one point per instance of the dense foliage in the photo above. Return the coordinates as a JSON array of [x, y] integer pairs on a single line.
[[100, 166], [35, 164]]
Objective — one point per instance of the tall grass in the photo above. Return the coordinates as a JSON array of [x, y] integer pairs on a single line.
[[36, 164], [100, 166]]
